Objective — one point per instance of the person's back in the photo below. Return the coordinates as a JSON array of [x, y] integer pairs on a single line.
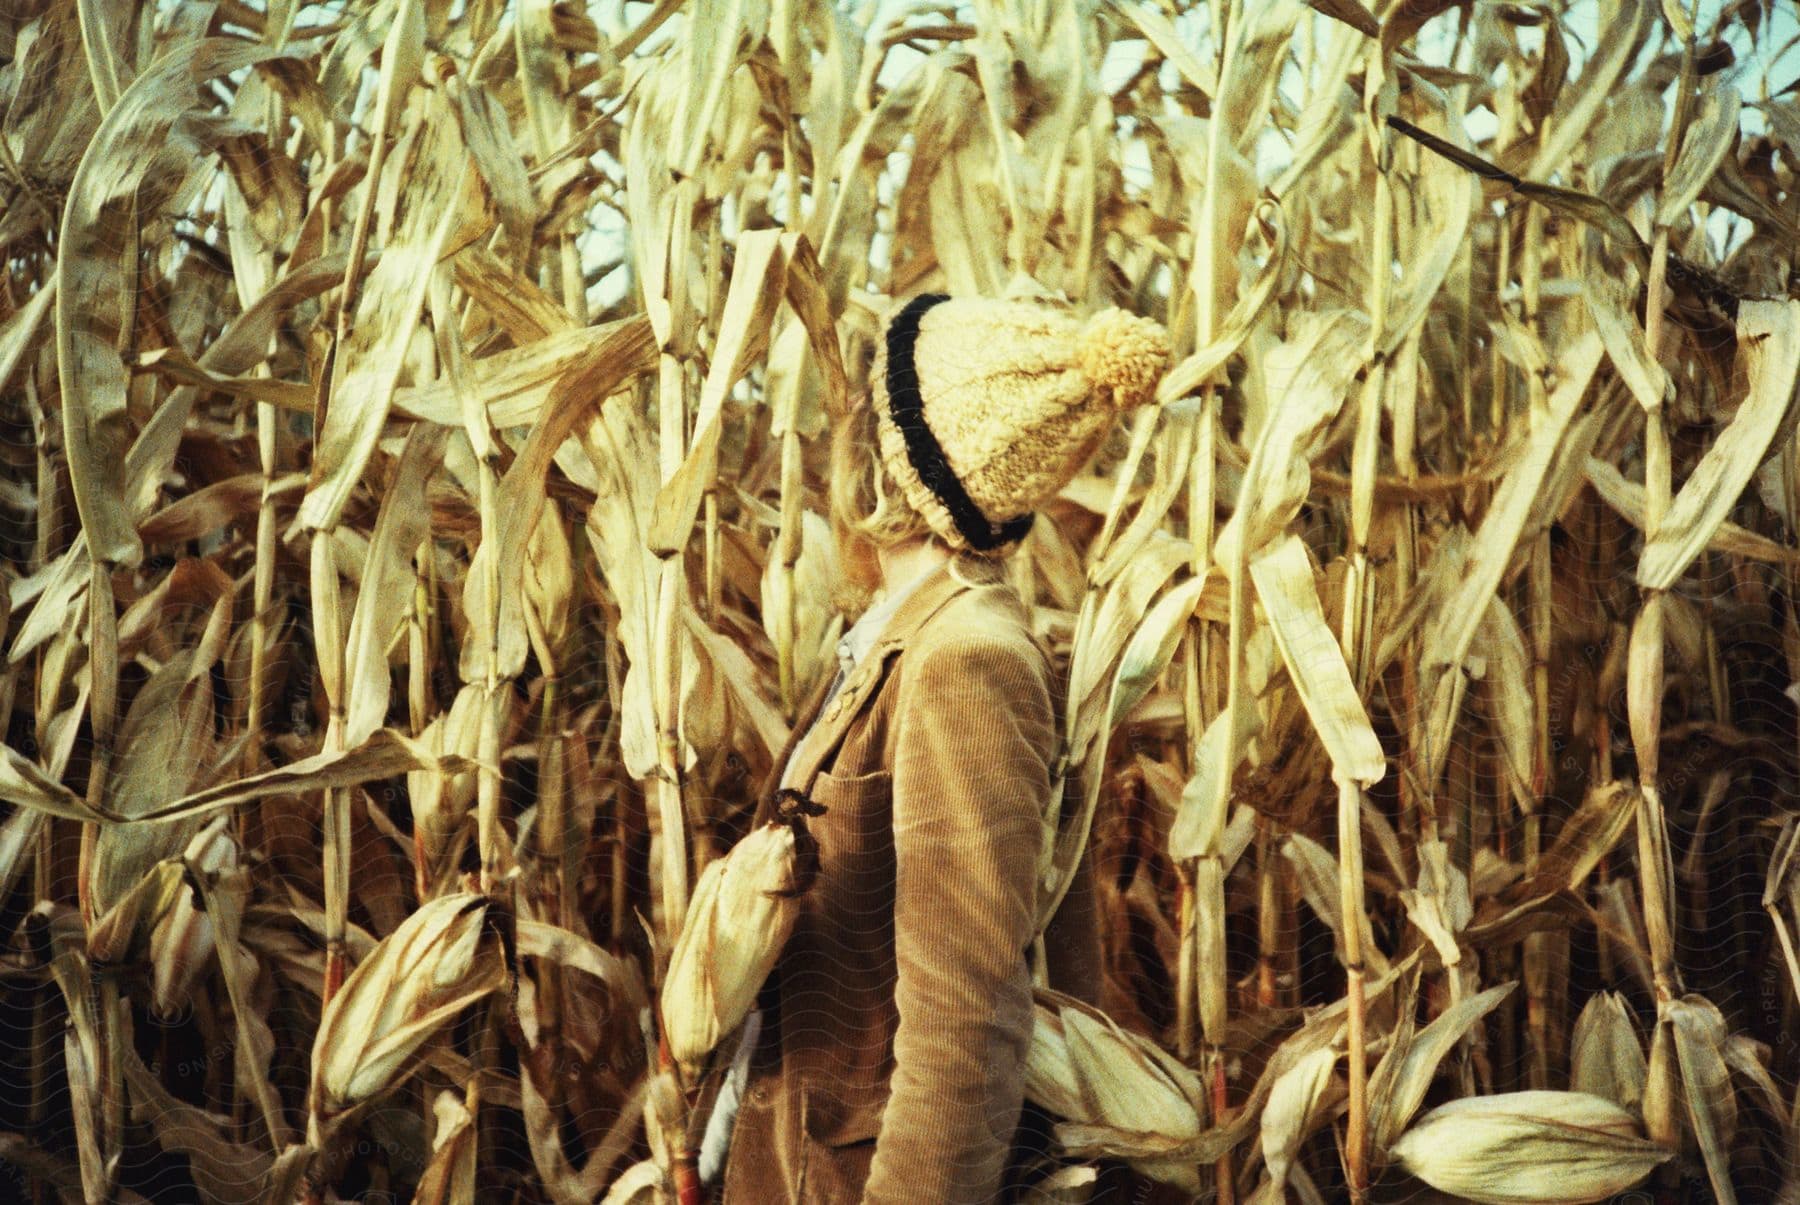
[[900, 1008], [894, 1028]]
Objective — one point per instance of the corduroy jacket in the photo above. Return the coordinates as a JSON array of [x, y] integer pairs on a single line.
[[897, 1018]]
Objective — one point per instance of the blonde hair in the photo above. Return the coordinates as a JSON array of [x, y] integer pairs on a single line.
[[869, 510]]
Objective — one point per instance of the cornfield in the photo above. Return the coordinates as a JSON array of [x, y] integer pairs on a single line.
[[416, 417]]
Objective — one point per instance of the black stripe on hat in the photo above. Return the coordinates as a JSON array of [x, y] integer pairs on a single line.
[[907, 409]]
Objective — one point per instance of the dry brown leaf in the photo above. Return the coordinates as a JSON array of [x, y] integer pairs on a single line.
[[1502, 530], [1769, 337], [449, 1179], [149, 140], [1316, 875], [1627, 498], [1709, 137], [387, 574], [1315, 662], [1401, 1086], [1712, 1111], [1305, 380], [492, 597], [444, 212], [1287, 1116]]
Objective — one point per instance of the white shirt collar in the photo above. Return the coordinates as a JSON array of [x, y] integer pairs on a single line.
[[856, 642]]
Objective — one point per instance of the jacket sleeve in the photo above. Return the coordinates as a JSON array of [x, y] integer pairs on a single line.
[[974, 742]]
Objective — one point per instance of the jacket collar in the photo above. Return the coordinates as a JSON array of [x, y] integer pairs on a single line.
[[855, 644], [820, 726]]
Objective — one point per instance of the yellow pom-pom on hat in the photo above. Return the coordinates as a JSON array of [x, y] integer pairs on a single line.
[[987, 408], [1124, 354]]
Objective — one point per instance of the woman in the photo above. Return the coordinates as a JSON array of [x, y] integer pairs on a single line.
[[885, 1063]]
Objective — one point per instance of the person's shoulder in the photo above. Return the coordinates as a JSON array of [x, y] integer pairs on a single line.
[[986, 620]]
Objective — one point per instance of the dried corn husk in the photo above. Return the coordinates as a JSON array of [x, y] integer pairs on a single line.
[[1528, 1148], [183, 940], [642, 1183], [742, 911], [1700, 1038], [441, 959], [441, 802], [1290, 1112], [1606, 1055], [1085, 1069], [449, 1178]]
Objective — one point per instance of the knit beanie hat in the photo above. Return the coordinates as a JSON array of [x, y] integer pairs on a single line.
[[985, 408]]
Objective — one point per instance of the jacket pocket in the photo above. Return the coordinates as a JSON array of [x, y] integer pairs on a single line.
[[838, 1129], [857, 827]]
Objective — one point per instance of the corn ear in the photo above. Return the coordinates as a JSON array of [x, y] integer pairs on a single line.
[[1606, 1054], [739, 918], [441, 959], [1082, 1067], [1528, 1148]]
